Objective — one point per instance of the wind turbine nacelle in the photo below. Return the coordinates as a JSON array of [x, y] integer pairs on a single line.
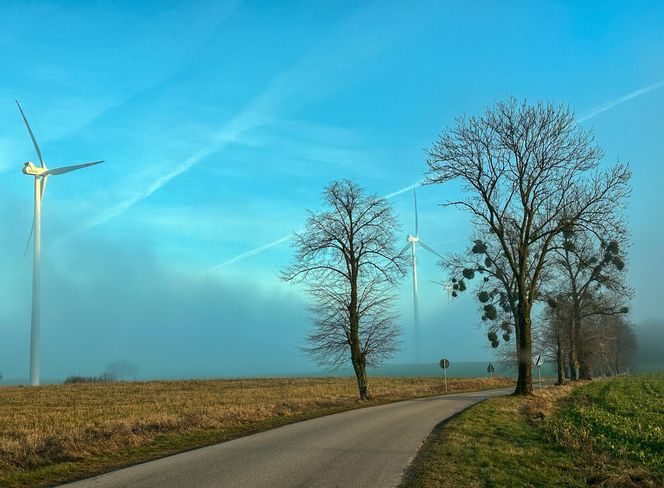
[[412, 238], [30, 169]]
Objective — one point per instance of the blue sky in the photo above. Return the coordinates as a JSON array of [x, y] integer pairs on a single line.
[[220, 123]]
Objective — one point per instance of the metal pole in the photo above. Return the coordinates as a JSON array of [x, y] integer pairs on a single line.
[[416, 305], [539, 375], [35, 324], [445, 371]]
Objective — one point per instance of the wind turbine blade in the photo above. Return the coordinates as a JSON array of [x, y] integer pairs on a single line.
[[27, 244], [417, 226], [430, 250], [67, 169], [32, 136], [405, 248]]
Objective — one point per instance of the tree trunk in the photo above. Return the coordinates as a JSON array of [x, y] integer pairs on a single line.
[[524, 382], [357, 358], [360, 368], [561, 368], [574, 349], [566, 365], [585, 372], [559, 357]]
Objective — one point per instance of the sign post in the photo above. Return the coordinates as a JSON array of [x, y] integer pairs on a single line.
[[444, 363], [539, 360], [490, 369]]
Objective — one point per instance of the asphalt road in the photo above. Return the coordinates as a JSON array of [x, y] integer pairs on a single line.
[[368, 447]]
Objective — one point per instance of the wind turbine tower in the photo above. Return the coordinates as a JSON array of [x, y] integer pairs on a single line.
[[413, 242], [40, 174]]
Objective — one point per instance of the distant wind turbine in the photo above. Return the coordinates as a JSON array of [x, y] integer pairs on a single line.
[[414, 240], [41, 174]]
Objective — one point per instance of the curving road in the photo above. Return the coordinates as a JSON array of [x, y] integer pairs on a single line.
[[368, 447]]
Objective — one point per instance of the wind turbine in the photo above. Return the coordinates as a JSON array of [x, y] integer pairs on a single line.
[[40, 174], [413, 241]]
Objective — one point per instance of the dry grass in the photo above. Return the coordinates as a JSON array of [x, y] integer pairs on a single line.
[[546, 401], [58, 432]]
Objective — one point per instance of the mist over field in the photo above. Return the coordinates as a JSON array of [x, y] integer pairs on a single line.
[[105, 302]]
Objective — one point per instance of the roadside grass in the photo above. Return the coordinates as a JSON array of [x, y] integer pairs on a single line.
[[622, 418], [554, 438], [58, 433]]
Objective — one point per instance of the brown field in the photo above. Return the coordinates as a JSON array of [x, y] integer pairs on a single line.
[[63, 432]]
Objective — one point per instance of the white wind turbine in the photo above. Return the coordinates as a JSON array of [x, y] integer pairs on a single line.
[[414, 240], [41, 174]]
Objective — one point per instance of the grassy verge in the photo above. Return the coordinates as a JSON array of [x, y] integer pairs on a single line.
[[560, 437], [621, 419], [59, 433]]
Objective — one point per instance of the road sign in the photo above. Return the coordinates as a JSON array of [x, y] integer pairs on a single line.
[[539, 360], [444, 363]]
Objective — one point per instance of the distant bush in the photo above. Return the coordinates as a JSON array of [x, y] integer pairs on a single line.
[[102, 378]]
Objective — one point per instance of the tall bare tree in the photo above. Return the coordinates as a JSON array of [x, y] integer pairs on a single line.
[[347, 259], [528, 172]]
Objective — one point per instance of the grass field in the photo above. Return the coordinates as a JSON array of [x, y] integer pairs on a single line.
[[622, 418], [63, 432], [604, 433]]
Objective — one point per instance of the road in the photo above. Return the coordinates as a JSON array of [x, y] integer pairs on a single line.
[[367, 447]]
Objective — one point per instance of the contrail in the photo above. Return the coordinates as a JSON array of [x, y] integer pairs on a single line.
[[281, 240], [327, 56], [595, 111], [121, 207], [404, 190], [248, 254]]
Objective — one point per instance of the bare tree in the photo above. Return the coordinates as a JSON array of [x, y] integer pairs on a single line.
[[591, 279], [528, 172], [609, 344], [555, 336], [347, 259], [625, 346], [122, 370]]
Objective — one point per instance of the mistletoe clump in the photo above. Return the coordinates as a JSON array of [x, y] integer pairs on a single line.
[[457, 287], [490, 312], [613, 247], [493, 338], [618, 263], [468, 273], [568, 231], [479, 248]]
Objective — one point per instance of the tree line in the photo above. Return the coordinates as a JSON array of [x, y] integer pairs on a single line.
[[549, 242]]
